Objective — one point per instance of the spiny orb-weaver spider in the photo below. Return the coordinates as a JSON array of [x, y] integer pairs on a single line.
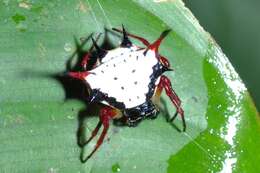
[[128, 81]]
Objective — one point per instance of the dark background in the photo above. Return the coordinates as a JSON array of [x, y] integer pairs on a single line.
[[235, 25]]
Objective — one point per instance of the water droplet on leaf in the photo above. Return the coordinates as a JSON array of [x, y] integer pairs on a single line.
[[67, 47], [116, 167]]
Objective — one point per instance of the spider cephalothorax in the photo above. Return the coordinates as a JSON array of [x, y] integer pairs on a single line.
[[128, 81]]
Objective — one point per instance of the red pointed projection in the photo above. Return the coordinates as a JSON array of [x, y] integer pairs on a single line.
[[155, 45]]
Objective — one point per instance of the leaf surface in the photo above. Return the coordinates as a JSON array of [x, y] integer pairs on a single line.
[[38, 128]]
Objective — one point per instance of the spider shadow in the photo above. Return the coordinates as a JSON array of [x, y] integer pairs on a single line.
[[76, 89], [167, 115]]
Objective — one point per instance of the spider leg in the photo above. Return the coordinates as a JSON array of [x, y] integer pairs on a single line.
[[143, 40], [166, 84], [157, 95], [106, 114], [164, 61], [86, 57]]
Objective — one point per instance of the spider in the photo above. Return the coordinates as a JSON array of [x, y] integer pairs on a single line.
[[128, 81]]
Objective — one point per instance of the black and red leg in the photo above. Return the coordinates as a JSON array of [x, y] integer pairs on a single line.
[[165, 84], [106, 114], [164, 61]]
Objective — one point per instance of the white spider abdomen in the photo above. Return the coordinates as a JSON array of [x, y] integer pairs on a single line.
[[124, 74]]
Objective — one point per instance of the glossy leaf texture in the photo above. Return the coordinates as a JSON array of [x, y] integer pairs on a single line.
[[38, 125]]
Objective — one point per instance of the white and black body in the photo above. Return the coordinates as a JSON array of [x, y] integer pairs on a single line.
[[127, 80]]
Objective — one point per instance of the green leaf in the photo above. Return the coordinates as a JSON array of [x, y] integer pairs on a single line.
[[38, 128]]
